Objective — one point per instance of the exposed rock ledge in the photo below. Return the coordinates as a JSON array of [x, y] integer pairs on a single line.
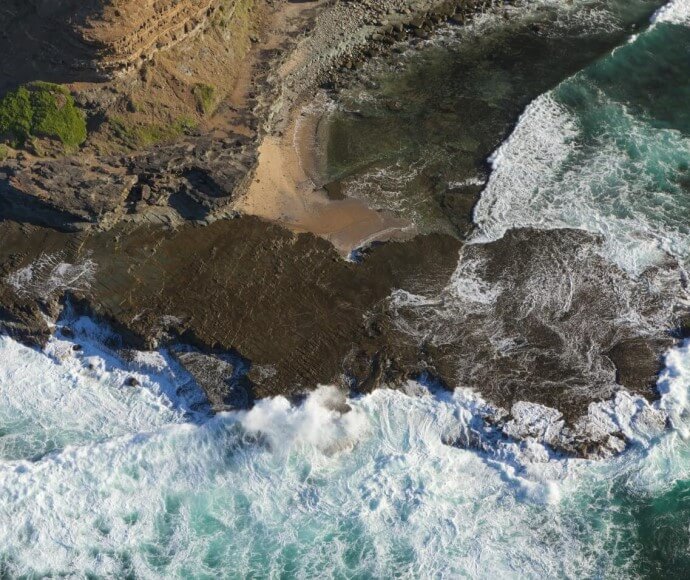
[[290, 314], [249, 308]]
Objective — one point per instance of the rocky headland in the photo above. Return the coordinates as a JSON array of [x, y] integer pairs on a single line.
[[191, 218]]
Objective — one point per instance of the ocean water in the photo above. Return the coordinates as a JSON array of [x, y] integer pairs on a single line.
[[412, 132], [99, 479], [606, 151]]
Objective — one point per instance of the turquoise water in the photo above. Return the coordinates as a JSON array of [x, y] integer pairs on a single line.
[[609, 153], [412, 133], [102, 480], [143, 489]]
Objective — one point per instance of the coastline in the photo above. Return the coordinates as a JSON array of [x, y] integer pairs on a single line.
[[286, 190], [217, 358], [262, 277], [286, 187]]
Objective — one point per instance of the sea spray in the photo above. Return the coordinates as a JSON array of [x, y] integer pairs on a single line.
[[325, 422], [675, 12], [316, 489]]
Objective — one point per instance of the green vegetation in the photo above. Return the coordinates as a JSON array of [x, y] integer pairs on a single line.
[[16, 115], [205, 96], [136, 136], [41, 110], [4, 152], [237, 13]]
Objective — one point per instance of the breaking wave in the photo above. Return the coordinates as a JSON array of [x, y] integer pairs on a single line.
[[599, 153], [115, 468], [675, 12], [136, 487]]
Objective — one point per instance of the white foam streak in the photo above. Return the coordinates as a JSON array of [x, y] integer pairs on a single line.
[[523, 164]]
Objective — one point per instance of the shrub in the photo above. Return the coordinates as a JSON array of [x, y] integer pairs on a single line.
[[135, 136], [42, 110], [205, 96], [16, 115]]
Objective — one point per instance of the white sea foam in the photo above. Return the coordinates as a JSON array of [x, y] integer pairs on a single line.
[[675, 12], [674, 384], [49, 274], [524, 163], [304, 490], [603, 169], [75, 397], [584, 15], [467, 182], [545, 177], [319, 422]]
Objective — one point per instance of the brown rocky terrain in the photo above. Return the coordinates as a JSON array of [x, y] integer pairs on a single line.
[[180, 76], [141, 228]]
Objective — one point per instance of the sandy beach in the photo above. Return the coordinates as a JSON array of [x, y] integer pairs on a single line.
[[288, 190]]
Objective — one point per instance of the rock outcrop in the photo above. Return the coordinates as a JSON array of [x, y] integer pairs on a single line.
[[127, 230], [129, 33], [149, 73]]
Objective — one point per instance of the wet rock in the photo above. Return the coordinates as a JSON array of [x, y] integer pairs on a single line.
[[284, 302], [638, 362], [541, 316], [67, 332], [132, 382], [220, 377]]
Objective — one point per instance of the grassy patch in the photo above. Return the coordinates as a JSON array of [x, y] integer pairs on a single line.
[[4, 152], [41, 110], [136, 136], [205, 96]]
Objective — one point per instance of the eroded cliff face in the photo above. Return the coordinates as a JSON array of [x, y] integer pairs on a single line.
[[182, 56], [130, 33], [149, 77], [106, 36]]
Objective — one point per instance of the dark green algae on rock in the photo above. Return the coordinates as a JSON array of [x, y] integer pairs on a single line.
[[411, 131]]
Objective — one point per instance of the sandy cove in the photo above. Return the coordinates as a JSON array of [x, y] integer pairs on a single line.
[[288, 190], [287, 187]]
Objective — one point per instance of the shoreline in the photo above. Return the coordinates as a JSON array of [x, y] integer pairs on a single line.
[[286, 187], [288, 305], [287, 190]]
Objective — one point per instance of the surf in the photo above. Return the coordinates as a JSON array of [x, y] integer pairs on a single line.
[[598, 154], [374, 490]]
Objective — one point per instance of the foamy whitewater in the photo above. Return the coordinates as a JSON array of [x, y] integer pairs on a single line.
[[603, 154], [104, 479], [101, 479]]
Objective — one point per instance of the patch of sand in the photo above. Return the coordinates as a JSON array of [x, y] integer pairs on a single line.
[[287, 187], [285, 191]]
